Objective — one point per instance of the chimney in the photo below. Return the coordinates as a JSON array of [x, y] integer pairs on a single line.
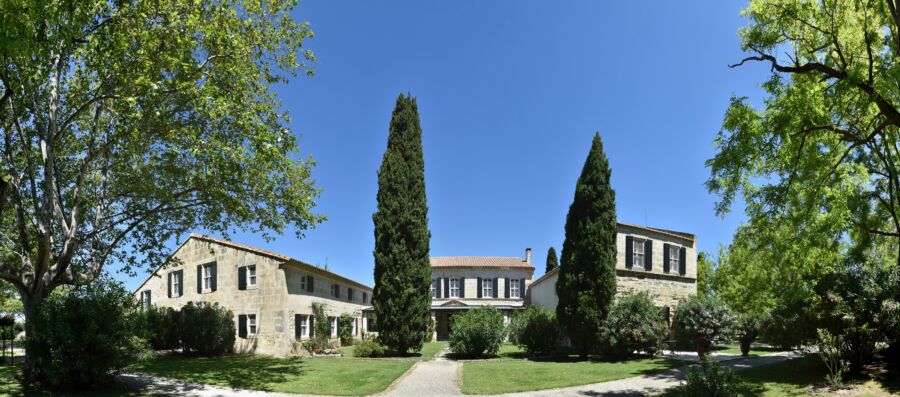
[[527, 255]]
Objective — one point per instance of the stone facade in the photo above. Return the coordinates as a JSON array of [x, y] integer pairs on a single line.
[[275, 299], [665, 288]]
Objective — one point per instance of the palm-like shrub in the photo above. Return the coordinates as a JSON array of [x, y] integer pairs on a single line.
[[634, 324], [703, 320], [535, 330], [477, 332]]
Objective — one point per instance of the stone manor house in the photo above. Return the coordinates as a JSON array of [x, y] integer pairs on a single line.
[[271, 295]]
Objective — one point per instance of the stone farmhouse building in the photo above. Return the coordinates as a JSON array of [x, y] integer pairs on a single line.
[[661, 262], [271, 295]]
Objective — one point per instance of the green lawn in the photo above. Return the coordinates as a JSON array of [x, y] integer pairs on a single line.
[[334, 376], [504, 375], [754, 350], [9, 386], [429, 350]]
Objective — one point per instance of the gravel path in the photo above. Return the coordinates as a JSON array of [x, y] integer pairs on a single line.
[[438, 377]]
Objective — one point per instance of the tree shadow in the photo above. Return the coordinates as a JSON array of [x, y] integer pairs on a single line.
[[10, 386], [236, 371]]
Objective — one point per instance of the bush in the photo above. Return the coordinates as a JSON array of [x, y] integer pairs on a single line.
[[710, 380], [321, 325], [368, 348], [748, 326], [477, 332], [206, 329], [86, 336], [345, 329], [831, 350], [319, 345], [790, 326], [634, 324], [704, 320], [535, 330], [159, 326]]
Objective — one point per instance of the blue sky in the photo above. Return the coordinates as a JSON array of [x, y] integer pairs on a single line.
[[510, 94]]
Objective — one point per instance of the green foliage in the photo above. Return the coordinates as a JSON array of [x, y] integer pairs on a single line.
[[832, 349], [552, 260], [710, 380], [320, 346], [703, 320], [206, 329], [402, 297], [705, 271], [368, 348], [321, 327], [345, 329], [159, 327], [10, 303], [535, 330], [586, 285], [86, 336], [748, 327], [634, 324], [477, 332]]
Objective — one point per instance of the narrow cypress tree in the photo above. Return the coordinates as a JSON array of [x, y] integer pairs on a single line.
[[401, 297], [552, 260], [587, 275]]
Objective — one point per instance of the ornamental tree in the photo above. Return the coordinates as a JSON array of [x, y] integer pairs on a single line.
[[126, 124], [552, 260], [586, 285], [402, 293]]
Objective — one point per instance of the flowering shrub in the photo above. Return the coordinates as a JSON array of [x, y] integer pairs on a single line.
[[634, 324], [703, 320]]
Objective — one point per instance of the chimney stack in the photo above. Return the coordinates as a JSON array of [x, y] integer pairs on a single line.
[[527, 255]]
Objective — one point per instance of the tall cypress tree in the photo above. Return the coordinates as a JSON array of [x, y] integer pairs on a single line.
[[587, 275], [401, 297], [552, 260]]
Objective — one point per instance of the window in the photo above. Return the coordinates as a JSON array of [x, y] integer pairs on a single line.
[[176, 287], [434, 282], [370, 324], [454, 288], [349, 294], [335, 290], [207, 277], [353, 324], [304, 326], [637, 252], [302, 282], [365, 297], [514, 288], [251, 325], [674, 255], [487, 288], [145, 299], [251, 275], [332, 326]]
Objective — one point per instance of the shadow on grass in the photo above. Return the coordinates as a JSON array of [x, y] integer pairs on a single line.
[[10, 386], [236, 371]]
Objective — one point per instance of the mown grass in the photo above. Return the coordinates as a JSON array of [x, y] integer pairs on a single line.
[[330, 376], [429, 350]]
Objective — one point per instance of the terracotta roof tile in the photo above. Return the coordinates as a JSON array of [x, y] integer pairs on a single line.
[[480, 261]]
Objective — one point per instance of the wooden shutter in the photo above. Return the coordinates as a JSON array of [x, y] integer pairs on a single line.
[[506, 287], [311, 325], [648, 255], [199, 278], [462, 287], [212, 276], [496, 285], [242, 325], [629, 251], [298, 333], [682, 264], [242, 277], [480, 291], [309, 284], [666, 258], [438, 287], [522, 288], [180, 282], [169, 278], [446, 287]]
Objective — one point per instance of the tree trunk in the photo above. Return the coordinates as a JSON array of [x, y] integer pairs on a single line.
[[702, 346], [30, 369]]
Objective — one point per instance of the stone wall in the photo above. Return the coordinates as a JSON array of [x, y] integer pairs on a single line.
[[471, 276]]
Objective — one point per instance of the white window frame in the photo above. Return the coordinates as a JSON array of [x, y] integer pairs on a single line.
[[304, 326], [674, 258], [637, 252], [514, 288], [251, 276], [145, 303], [333, 321], [487, 288], [207, 277], [252, 324], [353, 324], [302, 283], [434, 282], [454, 288], [176, 288]]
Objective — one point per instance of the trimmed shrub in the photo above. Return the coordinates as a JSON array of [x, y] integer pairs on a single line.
[[206, 329], [748, 327], [368, 348], [159, 326], [634, 324], [478, 332], [710, 380], [86, 336], [345, 329], [703, 320], [535, 330]]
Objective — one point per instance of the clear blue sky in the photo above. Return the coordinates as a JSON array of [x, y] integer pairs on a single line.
[[510, 94]]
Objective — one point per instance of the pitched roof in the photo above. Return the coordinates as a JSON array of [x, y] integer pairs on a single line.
[[504, 262], [684, 235]]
